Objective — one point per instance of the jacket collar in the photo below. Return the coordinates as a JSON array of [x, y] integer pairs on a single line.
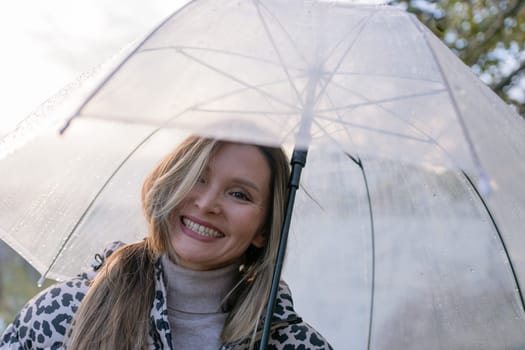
[[284, 315]]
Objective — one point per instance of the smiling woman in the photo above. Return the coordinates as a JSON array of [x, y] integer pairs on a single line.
[[225, 211], [201, 277]]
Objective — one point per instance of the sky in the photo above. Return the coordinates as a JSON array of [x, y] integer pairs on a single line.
[[47, 44]]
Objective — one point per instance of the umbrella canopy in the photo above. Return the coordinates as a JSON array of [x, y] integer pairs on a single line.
[[394, 243]]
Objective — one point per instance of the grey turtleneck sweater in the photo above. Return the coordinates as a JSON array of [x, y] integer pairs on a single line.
[[194, 304]]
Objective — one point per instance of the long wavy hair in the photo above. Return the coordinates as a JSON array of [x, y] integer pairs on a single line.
[[115, 312]]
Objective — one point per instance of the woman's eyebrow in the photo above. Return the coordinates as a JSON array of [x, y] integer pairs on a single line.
[[247, 183]]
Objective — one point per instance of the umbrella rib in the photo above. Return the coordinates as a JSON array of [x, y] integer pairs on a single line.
[[310, 196], [347, 132], [340, 120], [379, 131], [384, 100], [500, 236], [196, 107], [214, 50], [391, 113], [362, 24], [372, 243], [343, 73], [327, 134], [258, 6], [288, 36], [359, 163], [92, 202], [115, 70], [248, 112], [233, 78], [292, 129], [475, 157], [231, 93], [430, 138], [329, 80]]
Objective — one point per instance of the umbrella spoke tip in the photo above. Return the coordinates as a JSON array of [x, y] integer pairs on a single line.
[[41, 281], [64, 127]]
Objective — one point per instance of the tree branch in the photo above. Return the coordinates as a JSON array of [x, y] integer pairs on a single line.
[[498, 88], [491, 35]]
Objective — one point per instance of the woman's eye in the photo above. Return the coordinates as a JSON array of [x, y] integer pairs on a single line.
[[240, 195], [201, 180]]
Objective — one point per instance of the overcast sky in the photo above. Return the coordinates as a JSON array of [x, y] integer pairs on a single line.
[[47, 44]]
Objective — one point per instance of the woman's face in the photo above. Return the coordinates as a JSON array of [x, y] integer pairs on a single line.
[[225, 211]]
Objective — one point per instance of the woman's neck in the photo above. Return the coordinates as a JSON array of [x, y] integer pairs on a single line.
[[198, 292]]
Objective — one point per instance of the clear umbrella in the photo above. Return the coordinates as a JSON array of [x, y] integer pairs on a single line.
[[394, 243]]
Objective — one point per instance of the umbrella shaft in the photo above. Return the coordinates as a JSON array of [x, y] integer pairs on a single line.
[[298, 162]]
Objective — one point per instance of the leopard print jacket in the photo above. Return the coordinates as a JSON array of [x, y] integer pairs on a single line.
[[44, 321]]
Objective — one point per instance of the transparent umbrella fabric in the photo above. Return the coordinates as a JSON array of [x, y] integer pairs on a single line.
[[393, 246], [413, 263], [292, 60]]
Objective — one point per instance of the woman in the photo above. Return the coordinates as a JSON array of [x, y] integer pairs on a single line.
[[201, 278]]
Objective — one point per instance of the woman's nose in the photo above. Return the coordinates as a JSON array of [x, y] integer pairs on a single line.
[[208, 200]]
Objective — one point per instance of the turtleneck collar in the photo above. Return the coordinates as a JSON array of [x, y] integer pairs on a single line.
[[197, 292]]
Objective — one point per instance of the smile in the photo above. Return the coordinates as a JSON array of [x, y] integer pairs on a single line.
[[200, 229]]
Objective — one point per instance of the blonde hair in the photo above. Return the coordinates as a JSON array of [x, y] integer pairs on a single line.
[[115, 311]]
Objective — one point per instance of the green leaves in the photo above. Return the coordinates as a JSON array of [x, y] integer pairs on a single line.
[[487, 35]]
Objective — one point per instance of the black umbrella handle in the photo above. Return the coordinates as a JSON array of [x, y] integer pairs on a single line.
[[298, 162]]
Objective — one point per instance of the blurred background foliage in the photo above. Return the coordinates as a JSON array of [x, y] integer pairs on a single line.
[[489, 36], [18, 284]]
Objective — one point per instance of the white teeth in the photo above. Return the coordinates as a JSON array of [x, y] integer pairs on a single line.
[[202, 230]]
